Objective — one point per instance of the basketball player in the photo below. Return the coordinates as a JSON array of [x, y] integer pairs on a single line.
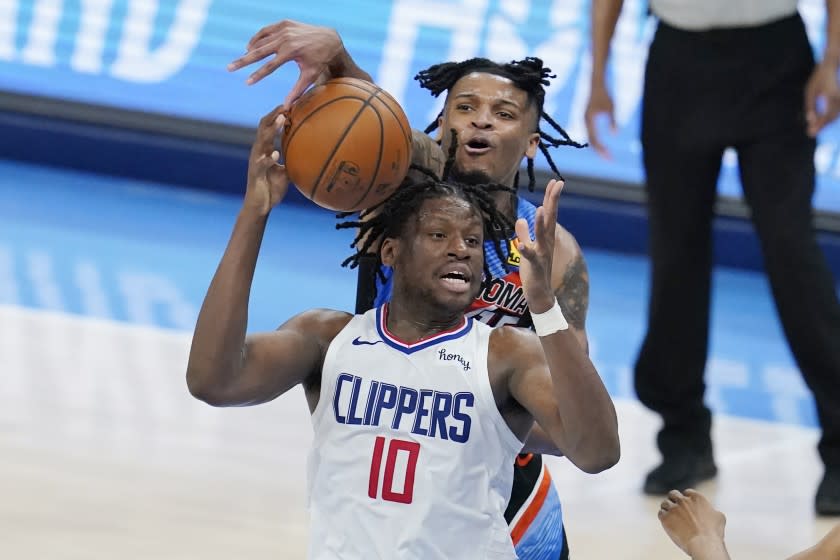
[[495, 110], [418, 411]]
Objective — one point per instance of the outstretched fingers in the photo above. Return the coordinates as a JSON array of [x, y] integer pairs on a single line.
[[266, 69], [269, 40], [264, 32], [551, 200], [546, 218], [545, 224], [255, 55]]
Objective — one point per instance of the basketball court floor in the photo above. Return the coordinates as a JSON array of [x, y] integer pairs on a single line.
[[103, 453]]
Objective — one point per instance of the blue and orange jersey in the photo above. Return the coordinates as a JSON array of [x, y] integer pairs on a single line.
[[502, 301]]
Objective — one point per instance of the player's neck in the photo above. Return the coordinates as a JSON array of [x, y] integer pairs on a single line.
[[506, 203], [411, 323]]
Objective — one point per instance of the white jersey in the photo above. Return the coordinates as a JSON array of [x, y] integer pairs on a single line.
[[411, 458]]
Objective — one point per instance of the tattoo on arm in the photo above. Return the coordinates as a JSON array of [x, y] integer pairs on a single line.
[[573, 294]]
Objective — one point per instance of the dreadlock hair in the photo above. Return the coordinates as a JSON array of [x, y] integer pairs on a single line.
[[390, 218], [528, 74]]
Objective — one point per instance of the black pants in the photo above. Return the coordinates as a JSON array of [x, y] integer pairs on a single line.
[[704, 92]]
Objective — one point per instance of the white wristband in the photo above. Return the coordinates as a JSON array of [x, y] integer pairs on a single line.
[[549, 322]]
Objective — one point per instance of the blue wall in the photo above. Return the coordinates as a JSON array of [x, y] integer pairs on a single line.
[[169, 59]]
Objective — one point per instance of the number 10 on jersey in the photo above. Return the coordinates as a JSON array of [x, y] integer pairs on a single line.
[[412, 448]]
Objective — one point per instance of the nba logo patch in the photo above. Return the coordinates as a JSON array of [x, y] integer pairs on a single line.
[[513, 253]]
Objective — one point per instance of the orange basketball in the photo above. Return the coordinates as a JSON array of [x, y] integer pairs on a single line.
[[346, 144]]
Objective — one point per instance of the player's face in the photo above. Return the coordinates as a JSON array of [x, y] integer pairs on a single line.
[[496, 126], [439, 259]]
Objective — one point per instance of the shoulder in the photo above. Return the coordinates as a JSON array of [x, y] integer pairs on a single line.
[[322, 325], [322, 318], [569, 262], [566, 248], [570, 281], [510, 346], [509, 334]]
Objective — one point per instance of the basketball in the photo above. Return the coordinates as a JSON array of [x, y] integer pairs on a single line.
[[346, 144]]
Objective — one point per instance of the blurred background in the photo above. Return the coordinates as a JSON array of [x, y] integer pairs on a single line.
[[123, 151]]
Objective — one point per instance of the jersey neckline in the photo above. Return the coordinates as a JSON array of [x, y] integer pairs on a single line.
[[408, 348]]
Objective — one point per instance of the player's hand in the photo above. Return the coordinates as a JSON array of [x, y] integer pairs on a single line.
[[313, 48], [692, 523], [822, 97], [537, 254], [267, 179], [600, 103]]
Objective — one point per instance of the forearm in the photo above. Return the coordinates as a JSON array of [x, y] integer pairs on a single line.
[[831, 53], [604, 17], [217, 347], [583, 340], [587, 413]]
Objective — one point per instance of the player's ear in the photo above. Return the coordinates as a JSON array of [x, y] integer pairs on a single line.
[[439, 130], [389, 251], [533, 145]]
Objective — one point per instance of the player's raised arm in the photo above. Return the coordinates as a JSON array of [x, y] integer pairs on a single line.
[[318, 51], [320, 55], [225, 368], [557, 383]]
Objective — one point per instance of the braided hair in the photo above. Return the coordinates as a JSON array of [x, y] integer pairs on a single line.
[[390, 218], [529, 75]]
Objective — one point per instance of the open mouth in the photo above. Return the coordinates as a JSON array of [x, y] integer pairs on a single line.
[[456, 280], [477, 146]]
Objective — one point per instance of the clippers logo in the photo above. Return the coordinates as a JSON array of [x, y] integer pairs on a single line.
[[514, 258], [425, 412]]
